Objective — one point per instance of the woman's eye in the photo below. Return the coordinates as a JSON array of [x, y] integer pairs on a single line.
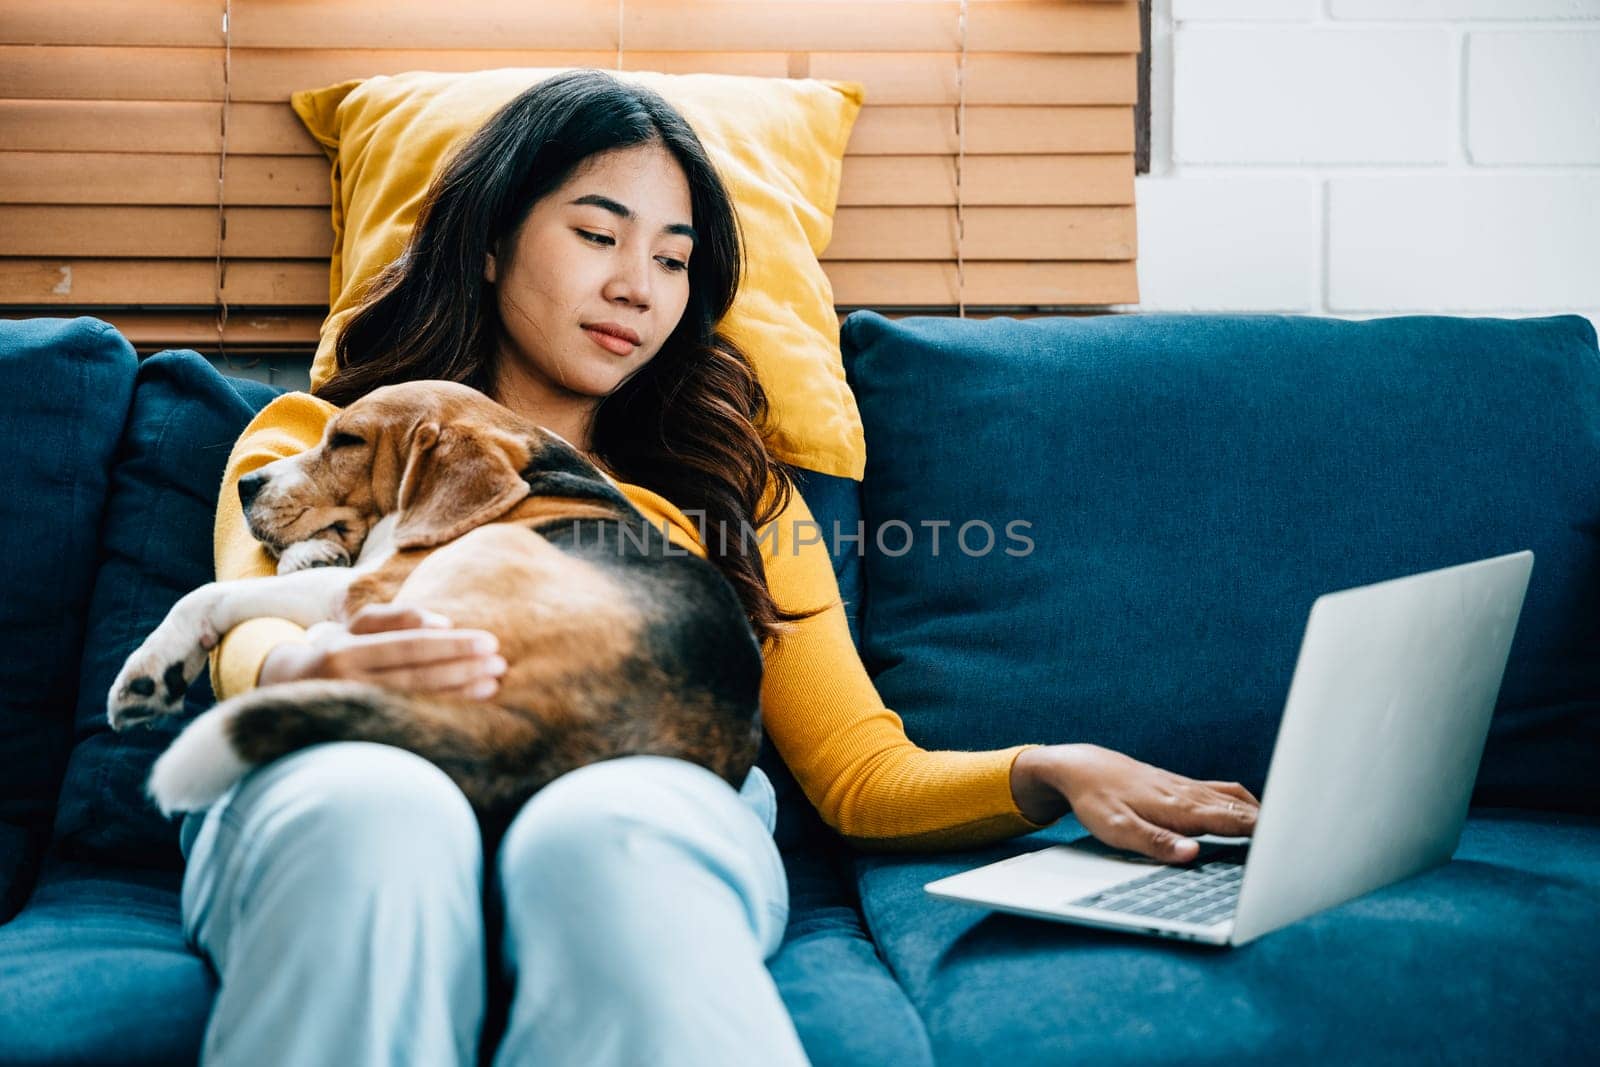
[[605, 239]]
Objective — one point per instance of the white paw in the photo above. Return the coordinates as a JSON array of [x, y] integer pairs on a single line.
[[303, 555], [198, 767], [155, 678]]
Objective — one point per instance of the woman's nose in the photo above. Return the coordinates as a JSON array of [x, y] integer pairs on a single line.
[[630, 283]]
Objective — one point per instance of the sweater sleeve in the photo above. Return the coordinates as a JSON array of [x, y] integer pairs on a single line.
[[848, 751], [289, 425]]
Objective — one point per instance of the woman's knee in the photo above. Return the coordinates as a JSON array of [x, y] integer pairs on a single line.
[[584, 815], [611, 829], [372, 806]]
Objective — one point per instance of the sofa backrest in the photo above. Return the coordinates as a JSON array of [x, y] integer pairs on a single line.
[[1193, 483], [65, 387], [155, 545]]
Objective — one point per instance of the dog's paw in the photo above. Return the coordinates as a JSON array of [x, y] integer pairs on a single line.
[[198, 767], [155, 678], [303, 555]]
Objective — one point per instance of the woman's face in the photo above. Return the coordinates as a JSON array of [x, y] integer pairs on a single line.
[[610, 248]]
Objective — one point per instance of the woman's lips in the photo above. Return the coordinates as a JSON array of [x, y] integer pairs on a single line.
[[610, 342]]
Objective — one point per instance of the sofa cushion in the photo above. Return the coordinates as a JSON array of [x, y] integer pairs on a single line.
[[1489, 959], [1193, 484], [96, 970], [65, 385], [155, 547]]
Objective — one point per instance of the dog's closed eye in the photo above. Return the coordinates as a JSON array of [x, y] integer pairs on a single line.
[[344, 440]]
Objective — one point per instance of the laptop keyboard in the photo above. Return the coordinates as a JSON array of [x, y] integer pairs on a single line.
[[1204, 894]]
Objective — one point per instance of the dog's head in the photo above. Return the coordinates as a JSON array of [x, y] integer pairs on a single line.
[[443, 456]]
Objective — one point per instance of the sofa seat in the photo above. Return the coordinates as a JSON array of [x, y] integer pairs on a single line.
[[1488, 959], [95, 970]]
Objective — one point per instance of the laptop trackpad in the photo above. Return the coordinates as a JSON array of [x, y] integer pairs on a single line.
[[1062, 873]]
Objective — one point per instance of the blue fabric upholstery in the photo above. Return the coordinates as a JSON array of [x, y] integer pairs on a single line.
[[846, 1005], [1489, 959], [65, 385], [835, 504], [95, 970], [156, 546], [1193, 484]]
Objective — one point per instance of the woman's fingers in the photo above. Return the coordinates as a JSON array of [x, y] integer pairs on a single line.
[[474, 677], [1227, 817], [377, 618], [1127, 829], [1234, 789], [1200, 809], [458, 662], [408, 648]]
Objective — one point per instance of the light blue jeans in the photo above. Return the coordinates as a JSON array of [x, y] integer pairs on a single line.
[[338, 893]]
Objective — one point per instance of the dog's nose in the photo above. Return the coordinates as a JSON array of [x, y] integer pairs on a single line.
[[249, 486]]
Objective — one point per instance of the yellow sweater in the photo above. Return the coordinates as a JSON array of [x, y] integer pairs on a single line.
[[848, 751]]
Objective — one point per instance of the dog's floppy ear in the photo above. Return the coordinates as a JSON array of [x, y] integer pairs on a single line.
[[457, 477]]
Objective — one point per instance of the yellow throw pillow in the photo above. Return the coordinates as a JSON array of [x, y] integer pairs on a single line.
[[777, 143]]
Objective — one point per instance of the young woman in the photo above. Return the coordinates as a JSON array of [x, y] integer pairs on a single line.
[[573, 262]]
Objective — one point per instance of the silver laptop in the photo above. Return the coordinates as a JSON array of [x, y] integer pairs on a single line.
[[1376, 756]]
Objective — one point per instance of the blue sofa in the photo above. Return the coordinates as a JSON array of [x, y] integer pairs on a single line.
[[1185, 487]]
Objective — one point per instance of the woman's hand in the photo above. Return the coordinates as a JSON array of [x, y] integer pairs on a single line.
[[1128, 804], [395, 646]]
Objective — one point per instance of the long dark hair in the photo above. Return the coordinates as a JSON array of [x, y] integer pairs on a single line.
[[691, 424]]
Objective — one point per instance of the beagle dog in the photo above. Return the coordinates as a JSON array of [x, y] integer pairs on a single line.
[[616, 643]]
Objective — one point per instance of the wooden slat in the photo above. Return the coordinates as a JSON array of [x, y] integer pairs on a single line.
[[270, 75], [992, 78], [181, 127], [931, 130], [87, 282], [164, 232], [1030, 233], [581, 25], [284, 181], [304, 283], [863, 284], [198, 329], [703, 26], [899, 233], [121, 22], [272, 129], [107, 178], [987, 180], [134, 73]]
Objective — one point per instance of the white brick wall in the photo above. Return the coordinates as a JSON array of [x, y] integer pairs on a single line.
[[1549, 77], [1367, 157]]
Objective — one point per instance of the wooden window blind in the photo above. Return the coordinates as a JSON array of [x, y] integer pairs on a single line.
[[152, 173]]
